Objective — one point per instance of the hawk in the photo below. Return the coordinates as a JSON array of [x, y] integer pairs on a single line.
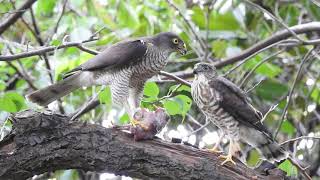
[[227, 107], [125, 66]]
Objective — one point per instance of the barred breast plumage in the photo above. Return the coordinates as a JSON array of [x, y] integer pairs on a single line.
[[226, 105], [134, 76], [207, 100]]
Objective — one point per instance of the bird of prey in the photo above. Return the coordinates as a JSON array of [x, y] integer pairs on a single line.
[[150, 123], [125, 66], [227, 107]]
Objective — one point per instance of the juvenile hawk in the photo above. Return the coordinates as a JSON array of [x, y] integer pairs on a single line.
[[125, 66], [227, 107]]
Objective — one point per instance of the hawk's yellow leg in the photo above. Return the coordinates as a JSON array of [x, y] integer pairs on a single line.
[[227, 158], [135, 123], [233, 148], [215, 148]]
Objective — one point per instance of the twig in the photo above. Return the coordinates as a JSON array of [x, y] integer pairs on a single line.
[[22, 74], [188, 24], [91, 104], [85, 49], [43, 50], [258, 65], [60, 16], [309, 42], [273, 107], [169, 95], [14, 17], [172, 76], [252, 55], [193, 120], [97, 32], [252, 88], [28, 80], [209, 9], [199, 129], [301, 169], [12, 12], [41, 43], [306, 57], [299, 138], [316, 3]]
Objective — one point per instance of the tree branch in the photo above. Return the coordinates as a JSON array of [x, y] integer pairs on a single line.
[[42, 142], [284, 113], [14, 17], [279, 36], [43, 50]]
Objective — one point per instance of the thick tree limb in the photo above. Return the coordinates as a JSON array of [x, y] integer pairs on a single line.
[[15, 16], [279, 36], [42, 142]]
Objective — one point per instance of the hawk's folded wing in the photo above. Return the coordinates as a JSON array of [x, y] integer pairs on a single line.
[[118, 55], [233, 101]]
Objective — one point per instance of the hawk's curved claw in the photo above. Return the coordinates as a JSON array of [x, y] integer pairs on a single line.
[[228, 158]]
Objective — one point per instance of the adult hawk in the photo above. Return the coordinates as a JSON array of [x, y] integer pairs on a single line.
[[227, 107], [125, 66]]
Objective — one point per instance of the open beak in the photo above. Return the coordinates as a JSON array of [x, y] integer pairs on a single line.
[[183, 49]]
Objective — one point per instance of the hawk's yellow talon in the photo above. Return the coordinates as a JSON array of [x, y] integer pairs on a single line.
[[135, 123], [228, 158], [215, 150]]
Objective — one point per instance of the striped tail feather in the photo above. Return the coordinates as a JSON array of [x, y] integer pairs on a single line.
[[45, 96], [272, 151]]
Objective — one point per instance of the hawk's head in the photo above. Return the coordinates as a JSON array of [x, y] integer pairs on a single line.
[[170, 42], [206, 69]]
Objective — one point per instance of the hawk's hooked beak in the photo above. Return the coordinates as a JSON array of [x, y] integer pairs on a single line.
[[182, 49]]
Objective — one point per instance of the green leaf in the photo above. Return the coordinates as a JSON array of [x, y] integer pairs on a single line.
[[127, 16], [45, 7], [17, 99], [290, 169], [271, 89], [151, 89], [6, 104], [219, 48], [287, 127], [267, 69], [185, 104], [172, 107], [253, 158], [124, 119], [226, 21], [315, 95], [105, 96]]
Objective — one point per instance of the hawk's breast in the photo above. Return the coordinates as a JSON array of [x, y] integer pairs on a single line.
[[151, 64], [207, 99]]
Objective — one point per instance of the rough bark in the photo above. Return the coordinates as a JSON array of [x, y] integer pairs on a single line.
[[41, 142]]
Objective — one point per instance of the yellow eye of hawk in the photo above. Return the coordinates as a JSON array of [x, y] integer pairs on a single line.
[[175, 41]]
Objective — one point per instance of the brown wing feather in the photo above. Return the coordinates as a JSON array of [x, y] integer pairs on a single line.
[[234, 102], [118, 55]]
